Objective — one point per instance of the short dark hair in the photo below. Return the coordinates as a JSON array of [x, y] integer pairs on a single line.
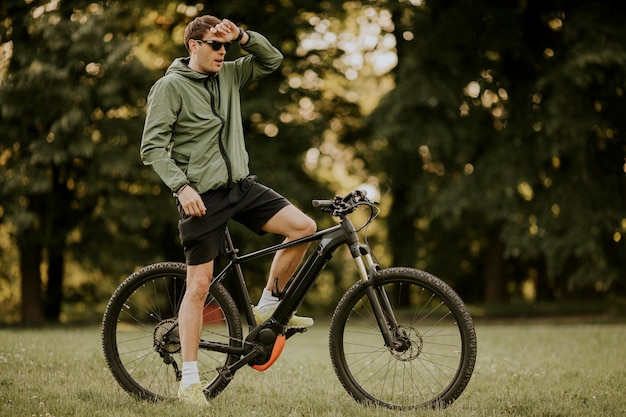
[[198, 27]]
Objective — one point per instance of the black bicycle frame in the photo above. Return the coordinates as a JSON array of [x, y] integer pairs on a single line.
[[329, 240]]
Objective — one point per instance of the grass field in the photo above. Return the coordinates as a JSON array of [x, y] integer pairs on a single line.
[[524, 369]]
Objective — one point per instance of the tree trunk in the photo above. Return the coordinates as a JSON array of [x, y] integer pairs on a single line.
[[32, 300], [54, 290], [544, 287], [495, 283]]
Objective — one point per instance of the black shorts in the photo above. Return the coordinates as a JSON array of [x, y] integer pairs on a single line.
[[247, 202]]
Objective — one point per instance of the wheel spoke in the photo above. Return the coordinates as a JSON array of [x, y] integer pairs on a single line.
[[433, 360], [140, 332]]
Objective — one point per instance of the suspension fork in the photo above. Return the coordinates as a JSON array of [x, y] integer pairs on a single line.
[[379, 300]]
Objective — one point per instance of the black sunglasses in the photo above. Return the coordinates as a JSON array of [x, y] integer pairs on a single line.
[[215, 44]]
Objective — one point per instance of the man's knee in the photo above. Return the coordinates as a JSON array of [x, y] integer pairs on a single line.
[[291, 223], [301, 225], [199, 279], [307, 226]]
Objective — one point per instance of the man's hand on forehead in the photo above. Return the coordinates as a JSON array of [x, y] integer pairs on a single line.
[[226, 30]]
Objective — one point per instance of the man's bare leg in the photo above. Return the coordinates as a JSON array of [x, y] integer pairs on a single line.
[[190, 318], [293, 224]]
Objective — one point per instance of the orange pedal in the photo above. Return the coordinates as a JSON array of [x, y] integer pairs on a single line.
[[279, 344]]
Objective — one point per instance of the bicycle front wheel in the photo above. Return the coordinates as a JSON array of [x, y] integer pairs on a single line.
[[434, 359], [140, 332]]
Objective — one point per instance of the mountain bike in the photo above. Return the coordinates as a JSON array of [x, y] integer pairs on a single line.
[[400, 338]]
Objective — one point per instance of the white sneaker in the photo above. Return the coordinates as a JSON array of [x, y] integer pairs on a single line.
[[295, 322], [193, 394]]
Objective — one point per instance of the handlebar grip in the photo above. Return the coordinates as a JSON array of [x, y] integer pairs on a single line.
[[322, 203]]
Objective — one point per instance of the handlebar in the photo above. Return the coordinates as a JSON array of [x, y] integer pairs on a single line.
[[322, 203], [342, 206]]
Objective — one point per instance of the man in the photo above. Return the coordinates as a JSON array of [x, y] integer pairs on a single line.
[[193, 139]]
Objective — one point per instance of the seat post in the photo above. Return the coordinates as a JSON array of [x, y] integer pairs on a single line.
[[230, 251]]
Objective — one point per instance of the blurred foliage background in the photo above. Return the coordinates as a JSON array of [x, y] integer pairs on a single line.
[[492, 133]]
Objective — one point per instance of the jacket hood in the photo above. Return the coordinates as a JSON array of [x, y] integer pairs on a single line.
[[181, 66]]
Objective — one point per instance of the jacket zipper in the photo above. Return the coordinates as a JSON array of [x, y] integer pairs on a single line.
[[220, 142]]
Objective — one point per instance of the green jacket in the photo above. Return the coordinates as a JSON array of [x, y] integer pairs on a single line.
[[193, 133]]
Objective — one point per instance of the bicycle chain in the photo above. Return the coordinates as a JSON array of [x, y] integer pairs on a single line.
[[287, 332], [231, 338]]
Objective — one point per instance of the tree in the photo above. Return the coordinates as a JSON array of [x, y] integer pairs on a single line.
[[506, 159], [70, 99], [74, 188]]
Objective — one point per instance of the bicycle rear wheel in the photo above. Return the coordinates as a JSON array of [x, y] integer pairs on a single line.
[[140, 332], [436, 360]]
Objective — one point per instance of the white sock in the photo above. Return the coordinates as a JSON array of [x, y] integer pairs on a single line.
[[190, 374], [267, 301]]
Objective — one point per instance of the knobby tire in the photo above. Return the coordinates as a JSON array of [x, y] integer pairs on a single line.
[[438, 359], [141, 314]]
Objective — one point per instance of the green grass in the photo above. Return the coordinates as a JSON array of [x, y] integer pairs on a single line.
[[543, 370]]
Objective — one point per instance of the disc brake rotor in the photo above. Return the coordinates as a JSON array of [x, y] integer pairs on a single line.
[[412, 344]]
